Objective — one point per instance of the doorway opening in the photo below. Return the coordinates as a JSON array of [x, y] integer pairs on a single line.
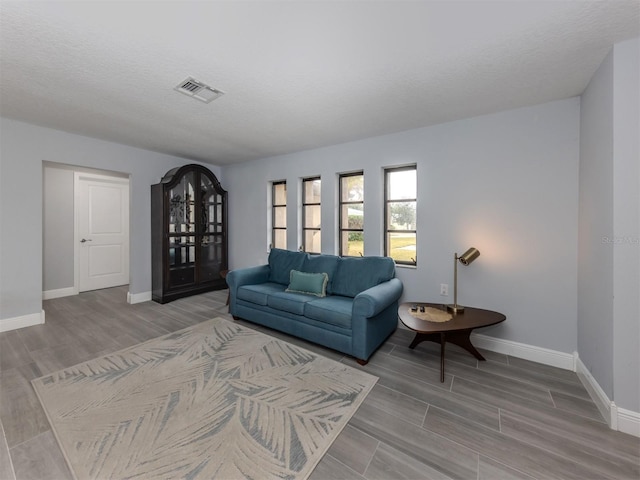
[[84, 204]]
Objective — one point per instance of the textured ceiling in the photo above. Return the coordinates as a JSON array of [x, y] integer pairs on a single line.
[[297, 75]]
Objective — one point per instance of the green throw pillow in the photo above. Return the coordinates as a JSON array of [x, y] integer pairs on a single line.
[[311, 283]]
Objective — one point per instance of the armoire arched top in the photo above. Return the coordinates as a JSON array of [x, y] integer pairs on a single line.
[[175, 174]]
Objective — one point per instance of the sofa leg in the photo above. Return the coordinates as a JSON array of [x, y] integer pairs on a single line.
[[236, 318], [362, 362]]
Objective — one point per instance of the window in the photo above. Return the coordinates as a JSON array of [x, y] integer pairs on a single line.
[[351, 229], [279, 214], [311, 215], [400, 185]]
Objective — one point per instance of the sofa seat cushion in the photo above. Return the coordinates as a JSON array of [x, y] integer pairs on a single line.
[[334, 310], [259, 293], [289, 301]]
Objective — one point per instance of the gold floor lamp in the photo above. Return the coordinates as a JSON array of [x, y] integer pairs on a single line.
[[465, 259]]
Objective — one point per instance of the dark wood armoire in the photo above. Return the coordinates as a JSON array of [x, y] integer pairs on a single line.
[[188, 233]]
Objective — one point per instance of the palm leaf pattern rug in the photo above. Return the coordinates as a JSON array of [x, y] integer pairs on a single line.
[[215, 400]]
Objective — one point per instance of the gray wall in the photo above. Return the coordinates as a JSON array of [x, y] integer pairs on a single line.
[[609, 253], [595, 266], [626, 225], [505, 183], [23, 148], [58, 225]]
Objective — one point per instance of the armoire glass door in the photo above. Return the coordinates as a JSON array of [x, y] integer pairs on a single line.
[[211, 242], [182, 232]]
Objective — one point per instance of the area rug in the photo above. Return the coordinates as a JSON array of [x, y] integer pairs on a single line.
[[216, 400]]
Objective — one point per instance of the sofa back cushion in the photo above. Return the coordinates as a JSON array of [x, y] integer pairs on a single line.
[[281, 262], [322, 264], [354, 275]]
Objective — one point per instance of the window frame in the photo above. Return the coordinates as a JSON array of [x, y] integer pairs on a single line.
[[275, 205], [341, 203], [387, 202], [309, 181]]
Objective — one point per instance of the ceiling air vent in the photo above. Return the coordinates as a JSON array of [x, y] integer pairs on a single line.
[[198, 90]]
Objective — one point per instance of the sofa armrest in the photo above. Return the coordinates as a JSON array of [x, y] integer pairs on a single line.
[[244, 276], [247, 276], [374, 300]]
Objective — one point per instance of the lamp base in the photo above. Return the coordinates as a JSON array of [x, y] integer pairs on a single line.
[[455, 308]]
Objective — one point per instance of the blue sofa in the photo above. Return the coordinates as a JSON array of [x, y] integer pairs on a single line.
[[358, 313]]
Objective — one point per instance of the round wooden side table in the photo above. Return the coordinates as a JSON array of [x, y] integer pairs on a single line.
[[456, 331]]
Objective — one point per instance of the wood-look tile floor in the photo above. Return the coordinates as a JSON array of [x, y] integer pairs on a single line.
[[503, 418]]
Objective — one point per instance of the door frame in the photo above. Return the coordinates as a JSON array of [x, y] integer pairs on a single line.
[[77, 176]]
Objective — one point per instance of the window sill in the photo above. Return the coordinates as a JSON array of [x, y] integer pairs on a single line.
[[409, 267]]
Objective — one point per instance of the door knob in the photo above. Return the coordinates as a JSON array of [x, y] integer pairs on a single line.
[[84, 240]]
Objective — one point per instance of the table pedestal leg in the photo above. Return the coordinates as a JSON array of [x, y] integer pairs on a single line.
[[422, 337], [443, 341], [460, 338]]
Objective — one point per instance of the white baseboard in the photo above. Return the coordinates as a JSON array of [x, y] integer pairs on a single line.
[[620, 419], [23, 321], [545, 356], [138, 297], [629, 422], [606, 407], [58, 293]]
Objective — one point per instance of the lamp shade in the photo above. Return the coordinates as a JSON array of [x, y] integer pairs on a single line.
[[469, 256]]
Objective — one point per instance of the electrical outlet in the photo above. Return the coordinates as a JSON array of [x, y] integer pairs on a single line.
[[444, 289]]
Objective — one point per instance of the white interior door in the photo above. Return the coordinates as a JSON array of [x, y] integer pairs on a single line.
[[102, 231]]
